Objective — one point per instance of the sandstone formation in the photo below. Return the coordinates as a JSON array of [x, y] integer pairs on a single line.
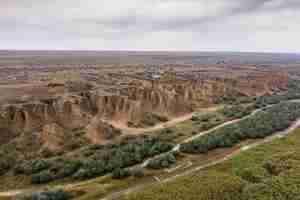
[[53, 137], [127, 97], [100, 132]]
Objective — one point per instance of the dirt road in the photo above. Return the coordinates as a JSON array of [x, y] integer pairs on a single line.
[[136, 131], [172, 122]]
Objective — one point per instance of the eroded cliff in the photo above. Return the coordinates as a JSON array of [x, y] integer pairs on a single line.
[[129, 98]]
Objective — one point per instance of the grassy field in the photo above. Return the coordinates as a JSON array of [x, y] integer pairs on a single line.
[[270, 171]]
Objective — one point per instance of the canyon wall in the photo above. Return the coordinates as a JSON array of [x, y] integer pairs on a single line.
[[91, 109]]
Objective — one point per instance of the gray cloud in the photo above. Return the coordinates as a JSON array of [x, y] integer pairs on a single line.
[[252, 25]]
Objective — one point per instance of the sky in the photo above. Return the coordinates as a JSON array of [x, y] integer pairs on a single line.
[[162, 25]]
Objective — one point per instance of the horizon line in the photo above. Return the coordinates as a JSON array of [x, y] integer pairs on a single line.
[[149, 51]]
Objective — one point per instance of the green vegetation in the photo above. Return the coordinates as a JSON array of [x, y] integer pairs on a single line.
[[237, 111], [162, 162], [6, 162], [32, 166], [204, 186], [48, 195], [25, 155], [121, 173], [259, 125], [268, 172], [93, 161], [293, 92], [130, 152], [167, 134], [205, 121]]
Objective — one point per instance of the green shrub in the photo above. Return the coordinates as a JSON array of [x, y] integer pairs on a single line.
[[120, 173], [253, 174], [204, 117], [148, 119], [32, 166], [60, 168], [260, 125], [95, 160], [275, 188], [48, 195], [90, 168], [42, 177], [7, 161], [65, 168], [203, 186], [161, 162], [236, 111], [281, 163], [129, 152]]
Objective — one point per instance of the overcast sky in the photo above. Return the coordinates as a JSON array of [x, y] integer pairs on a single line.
[[205, 25]]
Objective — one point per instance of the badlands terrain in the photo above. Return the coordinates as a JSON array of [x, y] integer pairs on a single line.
[[137, 125]]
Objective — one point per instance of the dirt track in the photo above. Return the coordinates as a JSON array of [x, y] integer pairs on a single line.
[[135, 131], [172, 122]]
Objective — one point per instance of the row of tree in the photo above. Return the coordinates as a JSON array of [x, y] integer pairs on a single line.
[[162, 162], [47, 195], [95, 160], [260, 125]]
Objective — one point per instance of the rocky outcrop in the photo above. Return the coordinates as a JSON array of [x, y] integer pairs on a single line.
[[130, 102], [53, 137], [99, 132]]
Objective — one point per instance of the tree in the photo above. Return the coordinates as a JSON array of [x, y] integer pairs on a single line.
[[120, 173]]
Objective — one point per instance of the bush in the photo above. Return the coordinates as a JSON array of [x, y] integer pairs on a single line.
[[274, 188], [42, 177], [164, 161], [95, 160], [260, 125], [150, 119], [60, 168], [32, 166], [236, 111], [129, 152], [6, 162], [90, 168], [48, 195], [254, 174], [204, 117], [200, 186], [281, 163], [120, 173], [65, 168]]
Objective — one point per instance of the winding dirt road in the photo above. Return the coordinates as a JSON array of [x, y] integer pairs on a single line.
[[136, 131], [172, 122]]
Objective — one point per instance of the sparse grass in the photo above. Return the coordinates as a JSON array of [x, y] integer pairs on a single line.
[[14, 182], [5, 198]]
